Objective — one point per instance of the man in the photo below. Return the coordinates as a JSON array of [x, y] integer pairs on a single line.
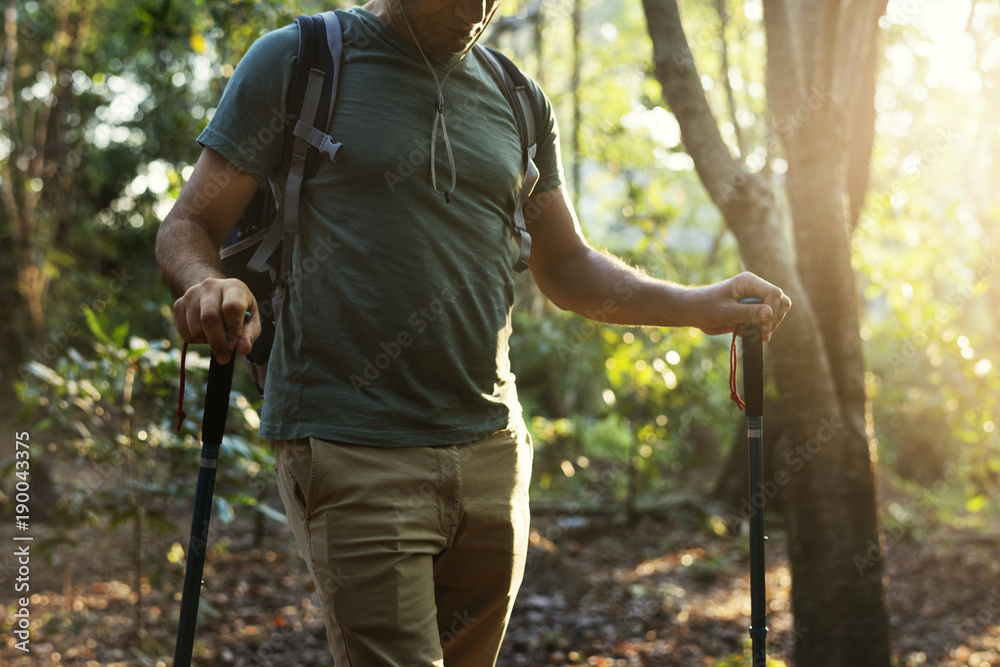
[[402, 456]]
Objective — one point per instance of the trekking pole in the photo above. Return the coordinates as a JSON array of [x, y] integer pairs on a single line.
[[220, 381], [753, 389]]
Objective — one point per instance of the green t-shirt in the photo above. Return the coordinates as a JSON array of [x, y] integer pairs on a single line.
[[395, 329]]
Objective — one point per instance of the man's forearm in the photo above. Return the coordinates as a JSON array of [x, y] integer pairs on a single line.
[[603, 288], [186, 254]]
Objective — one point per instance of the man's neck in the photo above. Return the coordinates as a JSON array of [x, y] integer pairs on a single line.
[[389, 12]]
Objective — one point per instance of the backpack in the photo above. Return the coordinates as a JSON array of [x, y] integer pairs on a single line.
[[258, 251]]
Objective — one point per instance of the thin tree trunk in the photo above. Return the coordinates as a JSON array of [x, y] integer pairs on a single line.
[[720, 8], [34, 225], [816, 355]]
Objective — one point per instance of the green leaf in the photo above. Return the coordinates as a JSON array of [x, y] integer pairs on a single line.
[[94, 324], [240, 499], [120, 333], [976, 503]]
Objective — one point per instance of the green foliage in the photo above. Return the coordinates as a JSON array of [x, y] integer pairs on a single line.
[[124, 100], [107, 425], [926, 251], [148, 75], [614, 409]]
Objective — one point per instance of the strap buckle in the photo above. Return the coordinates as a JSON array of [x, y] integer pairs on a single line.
[[318, 140], [330, 149]]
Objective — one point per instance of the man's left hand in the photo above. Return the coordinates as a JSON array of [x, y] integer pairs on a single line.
[[716, 309]]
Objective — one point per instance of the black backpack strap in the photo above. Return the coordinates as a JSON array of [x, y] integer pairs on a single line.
[[327, 40], [310, 104], [320, 46], [528, 118]]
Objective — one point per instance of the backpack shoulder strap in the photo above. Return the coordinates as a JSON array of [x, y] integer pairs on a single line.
[[320, 50], [310, 105], [519, 90], [528, 118]]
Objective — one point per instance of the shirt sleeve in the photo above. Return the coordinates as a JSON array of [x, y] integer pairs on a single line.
[[248, 126], [548, 158]]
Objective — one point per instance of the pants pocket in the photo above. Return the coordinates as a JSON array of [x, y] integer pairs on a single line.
[[294, 470]]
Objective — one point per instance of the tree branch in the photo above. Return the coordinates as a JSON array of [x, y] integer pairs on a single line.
[[786, 82], [720, 7], [60, 40], [9, 117], [682, 89], [751, 213], [858, 48], [861, 127]]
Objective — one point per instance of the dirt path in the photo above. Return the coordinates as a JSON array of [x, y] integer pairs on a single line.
[[600, 593]]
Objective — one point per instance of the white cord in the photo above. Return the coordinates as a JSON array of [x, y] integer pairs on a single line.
[[439, 107]]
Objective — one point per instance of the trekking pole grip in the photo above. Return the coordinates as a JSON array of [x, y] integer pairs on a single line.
[[753, 364], [220, 384]]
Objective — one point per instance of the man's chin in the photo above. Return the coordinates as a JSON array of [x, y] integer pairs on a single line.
[[445, 51], [451, 44]]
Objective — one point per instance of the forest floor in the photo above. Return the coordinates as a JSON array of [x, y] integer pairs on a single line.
[[662, 591]]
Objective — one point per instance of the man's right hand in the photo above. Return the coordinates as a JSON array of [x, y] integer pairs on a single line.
[[213, 312], [212, 307]]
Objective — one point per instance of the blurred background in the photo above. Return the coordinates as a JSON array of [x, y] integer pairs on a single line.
[[101, 106]]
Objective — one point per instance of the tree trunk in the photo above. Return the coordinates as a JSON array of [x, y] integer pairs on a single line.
[[815, 51], [33, 168], [731, 490]]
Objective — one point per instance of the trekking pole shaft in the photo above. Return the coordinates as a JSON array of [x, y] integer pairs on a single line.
[[753, 389], [220, 379], [758, 601]]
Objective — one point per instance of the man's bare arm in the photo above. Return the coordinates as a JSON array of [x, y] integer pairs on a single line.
[[210, 307], [597, 285]]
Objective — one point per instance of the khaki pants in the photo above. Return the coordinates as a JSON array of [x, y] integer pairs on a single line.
[[416, 552]]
